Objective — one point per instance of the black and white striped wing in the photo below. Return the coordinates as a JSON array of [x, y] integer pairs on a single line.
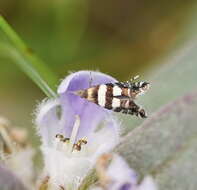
[[111, 97], [125, 105]]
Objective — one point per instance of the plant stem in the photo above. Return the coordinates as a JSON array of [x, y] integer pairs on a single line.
[[26, 59]]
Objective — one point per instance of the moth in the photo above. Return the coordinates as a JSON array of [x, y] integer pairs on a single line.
[[118, 96]]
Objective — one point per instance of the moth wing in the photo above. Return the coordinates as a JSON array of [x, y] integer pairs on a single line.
[[122, 97]]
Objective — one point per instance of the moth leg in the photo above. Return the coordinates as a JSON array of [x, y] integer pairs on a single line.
[[125, 111], [130, 112], [119, 109]]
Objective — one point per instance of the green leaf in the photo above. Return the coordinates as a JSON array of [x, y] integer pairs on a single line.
[[180, 172], [165, 145], [26, 59], [174, 78]]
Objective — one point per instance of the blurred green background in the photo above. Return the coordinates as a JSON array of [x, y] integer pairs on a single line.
[[119, 37]]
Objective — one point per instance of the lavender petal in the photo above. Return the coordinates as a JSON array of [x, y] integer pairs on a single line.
[[8, 181], [90, 113]]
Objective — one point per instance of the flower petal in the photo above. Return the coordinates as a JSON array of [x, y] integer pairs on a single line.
[[89, 113], [21, 164], [63, 170], [82, 79], [105, 139], [120, 172], [147, 184], [9, 181], [47, 120]]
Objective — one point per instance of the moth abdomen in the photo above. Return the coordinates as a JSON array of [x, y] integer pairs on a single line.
[[90, 94]]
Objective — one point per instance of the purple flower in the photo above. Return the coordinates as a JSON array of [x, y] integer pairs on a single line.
[[89, 113], [74, 132], [119, 176], [122, 176], [8, 180]]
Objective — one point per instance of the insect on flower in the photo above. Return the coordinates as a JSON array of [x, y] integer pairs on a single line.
[[118, 96]]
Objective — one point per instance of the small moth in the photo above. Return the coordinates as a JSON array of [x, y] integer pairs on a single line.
[[118, 96]]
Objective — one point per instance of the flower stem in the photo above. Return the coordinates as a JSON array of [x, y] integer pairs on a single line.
[[30, 64]]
